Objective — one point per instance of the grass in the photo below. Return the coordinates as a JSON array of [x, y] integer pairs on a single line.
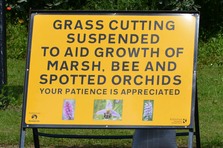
[[10, 125], [210, 94]]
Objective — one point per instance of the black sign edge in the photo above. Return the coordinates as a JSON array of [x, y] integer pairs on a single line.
[[162, 13]]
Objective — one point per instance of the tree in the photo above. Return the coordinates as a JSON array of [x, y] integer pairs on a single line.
[[211, 10]]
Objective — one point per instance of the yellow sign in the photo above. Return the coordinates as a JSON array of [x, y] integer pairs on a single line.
[[111, 69]]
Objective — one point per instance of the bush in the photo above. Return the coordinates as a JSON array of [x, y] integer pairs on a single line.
[[211, 52], [9, 96], [16, 40]]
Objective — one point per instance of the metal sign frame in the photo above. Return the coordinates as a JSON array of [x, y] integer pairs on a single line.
[[163, 13]]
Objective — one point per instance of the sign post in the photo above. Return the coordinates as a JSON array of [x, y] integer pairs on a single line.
[[2, 44], [111, 70]]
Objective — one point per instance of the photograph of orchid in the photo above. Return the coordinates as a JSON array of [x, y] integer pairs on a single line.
[[108, 109], [68, 109], [148, 109]]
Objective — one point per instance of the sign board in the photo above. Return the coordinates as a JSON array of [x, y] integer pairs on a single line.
[[110, 69]]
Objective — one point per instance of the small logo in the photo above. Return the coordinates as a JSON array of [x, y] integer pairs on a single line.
[[34, 116], [179, 120]]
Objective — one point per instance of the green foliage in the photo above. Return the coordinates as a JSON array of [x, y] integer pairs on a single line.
[[6, 97], [180, 5], [18, 10], [211, 13], [211, 52], [16, 41], [4, 101], [116, 5]]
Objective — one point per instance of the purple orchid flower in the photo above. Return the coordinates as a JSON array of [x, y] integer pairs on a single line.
[[68, 111], [108, 112], [148, 111]]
